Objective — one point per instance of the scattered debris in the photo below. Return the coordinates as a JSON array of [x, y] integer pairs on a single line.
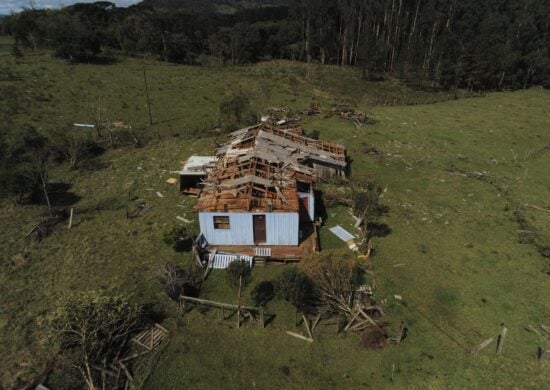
[[172, 181], [345, 236], [299, 336], [341, 233], [160, 195], [398, 298], [44, 225], [141, 208], [312, 109], [482, 345], [358, 118], [184, 220]]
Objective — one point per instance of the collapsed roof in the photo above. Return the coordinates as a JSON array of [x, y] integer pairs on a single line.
[[259, 168]]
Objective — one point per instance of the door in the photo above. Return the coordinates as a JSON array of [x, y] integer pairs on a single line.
[[258, 221], [304, 209]]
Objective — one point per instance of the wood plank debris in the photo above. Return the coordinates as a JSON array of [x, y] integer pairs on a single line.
[[160, 195], [481, 346], [299, 336], [501, 338], [184, 220]]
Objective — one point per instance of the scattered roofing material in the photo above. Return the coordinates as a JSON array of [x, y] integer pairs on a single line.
[[198, 165], [342, 233], [259, 167]]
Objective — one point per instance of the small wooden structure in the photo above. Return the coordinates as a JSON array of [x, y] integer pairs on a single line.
[[152, 337]]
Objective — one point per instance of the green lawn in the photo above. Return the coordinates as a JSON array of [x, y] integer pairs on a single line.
[[454, 236]]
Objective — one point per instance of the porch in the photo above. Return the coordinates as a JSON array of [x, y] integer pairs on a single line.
[[277, 253]]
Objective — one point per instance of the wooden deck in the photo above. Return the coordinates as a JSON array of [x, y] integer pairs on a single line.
[[285, 253]]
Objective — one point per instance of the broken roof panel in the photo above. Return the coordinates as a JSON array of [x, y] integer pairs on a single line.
[[198, 165], [259, 167]]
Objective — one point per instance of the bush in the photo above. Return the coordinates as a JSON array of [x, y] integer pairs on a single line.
[[92, 327], [262, 293], [293, 286], [235, 112], [180, 239], [335, 276], [239, 269]]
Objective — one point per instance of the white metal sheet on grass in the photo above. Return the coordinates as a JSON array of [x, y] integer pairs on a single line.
[[342, 233]]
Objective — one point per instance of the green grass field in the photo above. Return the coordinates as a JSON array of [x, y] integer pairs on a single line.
[[453, 253]]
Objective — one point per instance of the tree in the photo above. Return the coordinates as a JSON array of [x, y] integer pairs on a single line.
[[95, 326], [180, 238], [235, 111], [293, 286], [239, 273], [177, 281], [74, 144], [335, 277], [31, 155]]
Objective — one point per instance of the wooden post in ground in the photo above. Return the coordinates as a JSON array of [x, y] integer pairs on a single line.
[[262, 323], [71, 218], [239, 303], [501, 338], [540, 353]]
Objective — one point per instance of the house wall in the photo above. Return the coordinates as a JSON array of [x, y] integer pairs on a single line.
[[328, 171], [281, 228]]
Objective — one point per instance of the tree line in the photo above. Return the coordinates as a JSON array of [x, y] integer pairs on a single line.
[[486, 45]]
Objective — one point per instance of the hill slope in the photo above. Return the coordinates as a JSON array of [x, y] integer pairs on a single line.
[[212, 5]]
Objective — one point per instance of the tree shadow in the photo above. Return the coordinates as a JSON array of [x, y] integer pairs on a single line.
[[61, 196], [320, 208], [378, 229]]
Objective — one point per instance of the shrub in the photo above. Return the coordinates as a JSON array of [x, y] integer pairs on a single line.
[[180, 239], [237, 270], [293, 286]]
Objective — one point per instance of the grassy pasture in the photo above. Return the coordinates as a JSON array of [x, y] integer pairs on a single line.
[[454, 236]]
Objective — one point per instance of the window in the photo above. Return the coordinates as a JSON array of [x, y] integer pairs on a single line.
[[221, 222]]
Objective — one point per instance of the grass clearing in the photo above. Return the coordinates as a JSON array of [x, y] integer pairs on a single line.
[[455, 233]]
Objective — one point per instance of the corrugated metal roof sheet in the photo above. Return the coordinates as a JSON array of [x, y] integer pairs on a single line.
[[342, 233]]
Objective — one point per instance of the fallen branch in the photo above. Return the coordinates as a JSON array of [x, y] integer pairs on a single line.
[[546, 210]]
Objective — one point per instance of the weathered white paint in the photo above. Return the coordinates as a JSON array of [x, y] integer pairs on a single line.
[[281, 228], [311, 203]]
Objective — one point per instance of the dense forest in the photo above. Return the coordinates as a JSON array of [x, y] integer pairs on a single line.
[[477, 45]]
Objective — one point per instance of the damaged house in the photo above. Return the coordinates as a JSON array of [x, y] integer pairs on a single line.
[[259, 196]]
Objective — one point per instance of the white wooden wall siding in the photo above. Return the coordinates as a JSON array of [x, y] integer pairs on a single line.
[[281, 228]]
